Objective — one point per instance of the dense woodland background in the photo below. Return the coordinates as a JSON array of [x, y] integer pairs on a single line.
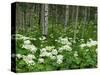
[[31, 17]]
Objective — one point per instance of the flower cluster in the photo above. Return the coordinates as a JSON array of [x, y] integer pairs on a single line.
[[66, 44], [40, 60], [90, 43], [29, 59], [52, 53], [48, 51], [19, 36], [42, 38], [75, 54], [27, 45], [59, 59], [19, 56], [65, 47], [64, 41]]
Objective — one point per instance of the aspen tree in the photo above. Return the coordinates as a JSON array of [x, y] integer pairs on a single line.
[[66, 16], [44, 19], [76, 23]]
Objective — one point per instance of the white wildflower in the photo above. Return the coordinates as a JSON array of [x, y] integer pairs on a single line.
[[76, 54], [26, 46], [52, 57], [89, 44], [64, 41], [49, 54], [31, 56], [83, 45], [54, 52], [41, 45], [49, 48], [25, 38], [56, 40], [82, 39], [59, 61], [74, 41], [93, 43], [31, 48], [42, 38], [23, 56], [18, 56], [70, 38], [60, 49], [90, 39], [41, 60], [31, 62], [19, 36], [29, 59], [43, 50], [26, 42], [65, 47], [43, 54], [32, 38], [59, 57]]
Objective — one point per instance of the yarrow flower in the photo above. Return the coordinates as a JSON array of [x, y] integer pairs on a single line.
[[19, 56], [76, 54], [49, 48], [31, 56], [65, 47], [43, 50], [42, 38], [92, 43], [59, 61], [54, 52], [43, 54], [60, 57], [49, 54], [52, 57], [29, 47], [41, 60], [29, 59], [89, 44], [26, 42], [64, 41], [83, 45]]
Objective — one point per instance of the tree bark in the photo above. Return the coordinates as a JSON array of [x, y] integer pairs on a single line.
[[84, 21], [66, 16], [44, 19], [76, 23]]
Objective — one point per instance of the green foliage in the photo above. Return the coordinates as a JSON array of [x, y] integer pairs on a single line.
[[87, 57]]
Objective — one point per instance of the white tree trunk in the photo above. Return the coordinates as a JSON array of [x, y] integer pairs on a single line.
[[84, 21], [76, 23], [66, 16], [44, 19]]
